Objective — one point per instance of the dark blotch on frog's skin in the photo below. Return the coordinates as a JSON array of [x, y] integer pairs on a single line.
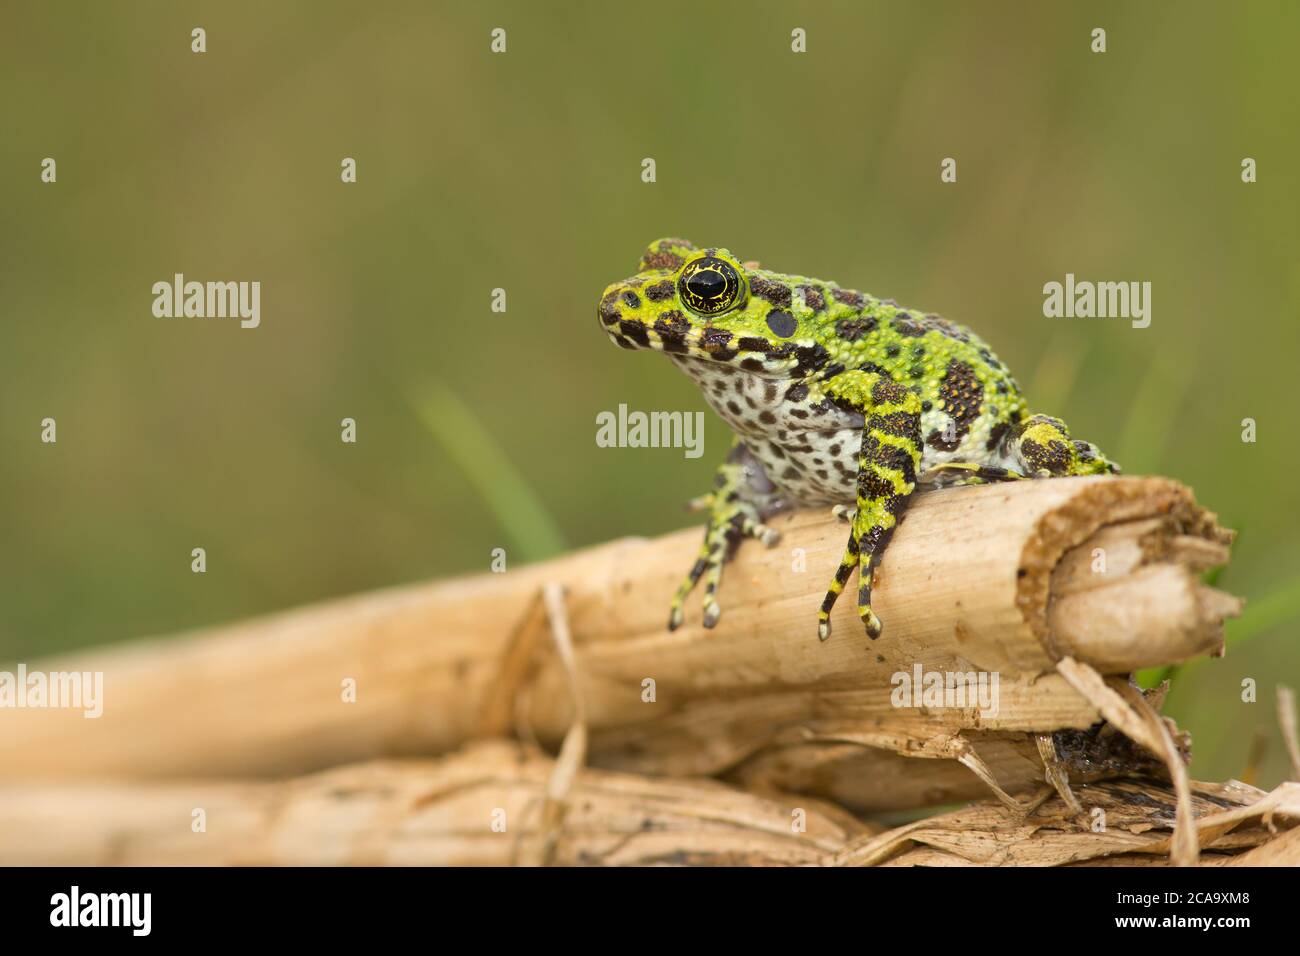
[[662, 260], [781, 323], [888, 392], [774, 292], [750, 343], [848, 297], [875, 487], [715, 338], [961, 395], [811, 358], [853, 329], [672, 328], [635, 331], [661, 256], [907, 327], [714, 341], [1053, 457], [659, 291], [796, 393], [813, 298], [672, 322], [995, 435], [891, 456], [936, 440], [950, 331]]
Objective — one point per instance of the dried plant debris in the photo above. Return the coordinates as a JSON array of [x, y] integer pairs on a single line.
[[1132, 818]]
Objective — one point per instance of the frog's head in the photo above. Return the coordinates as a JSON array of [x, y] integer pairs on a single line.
[[705, 303]]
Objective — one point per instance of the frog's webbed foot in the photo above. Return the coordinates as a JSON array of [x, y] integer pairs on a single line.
[[891, 453], [740, 502]]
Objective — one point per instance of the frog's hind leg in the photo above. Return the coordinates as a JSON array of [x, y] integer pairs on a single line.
[[887, 463], [959, 473], [741, 500]]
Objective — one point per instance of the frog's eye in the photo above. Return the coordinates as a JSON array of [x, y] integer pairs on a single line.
[[709, 285]]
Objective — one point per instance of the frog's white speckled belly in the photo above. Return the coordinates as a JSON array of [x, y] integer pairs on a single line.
[[808, 446]]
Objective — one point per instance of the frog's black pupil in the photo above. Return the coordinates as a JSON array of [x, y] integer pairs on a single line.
[[708, 284]]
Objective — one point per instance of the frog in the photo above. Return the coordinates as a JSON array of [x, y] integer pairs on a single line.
[[834, 397]]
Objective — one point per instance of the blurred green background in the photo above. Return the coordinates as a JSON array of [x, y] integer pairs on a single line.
[[522, 171]]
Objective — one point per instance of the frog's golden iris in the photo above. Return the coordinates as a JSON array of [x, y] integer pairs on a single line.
[[710, 286]]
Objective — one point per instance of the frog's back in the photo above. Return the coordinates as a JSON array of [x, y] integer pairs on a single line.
[[969, 400]]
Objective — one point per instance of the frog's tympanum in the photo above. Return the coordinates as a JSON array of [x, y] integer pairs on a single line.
[[835, 397]]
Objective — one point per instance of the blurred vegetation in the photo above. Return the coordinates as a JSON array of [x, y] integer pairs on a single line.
[[521, 171]]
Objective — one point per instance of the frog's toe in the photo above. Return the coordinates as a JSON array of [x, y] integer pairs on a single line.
[[769, 536], [845, 512], [870, 621], [701, 503], [711, 613], [731, 520], [867, 578], [677, 612]]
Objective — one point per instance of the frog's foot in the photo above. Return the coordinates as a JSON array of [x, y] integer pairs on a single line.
[[869, 533], [955, 473], [844, 512], [1045, 449], [731, 520]]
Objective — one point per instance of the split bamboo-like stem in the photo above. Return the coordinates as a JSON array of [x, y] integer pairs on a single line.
[[1004, 579]]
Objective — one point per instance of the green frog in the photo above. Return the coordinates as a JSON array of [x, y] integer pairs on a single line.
[[835, 397]]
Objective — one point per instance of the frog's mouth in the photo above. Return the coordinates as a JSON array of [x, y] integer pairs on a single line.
[[627, 320]]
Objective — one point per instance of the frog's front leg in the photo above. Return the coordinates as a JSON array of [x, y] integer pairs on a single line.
[[741, 500], [887, 463]]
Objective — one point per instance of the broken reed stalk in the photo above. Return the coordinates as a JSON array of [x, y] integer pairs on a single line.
[[1007, 579], [484, 806], [479, 807]]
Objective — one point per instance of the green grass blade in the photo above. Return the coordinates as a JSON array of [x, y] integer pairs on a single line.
[[530, 530]]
